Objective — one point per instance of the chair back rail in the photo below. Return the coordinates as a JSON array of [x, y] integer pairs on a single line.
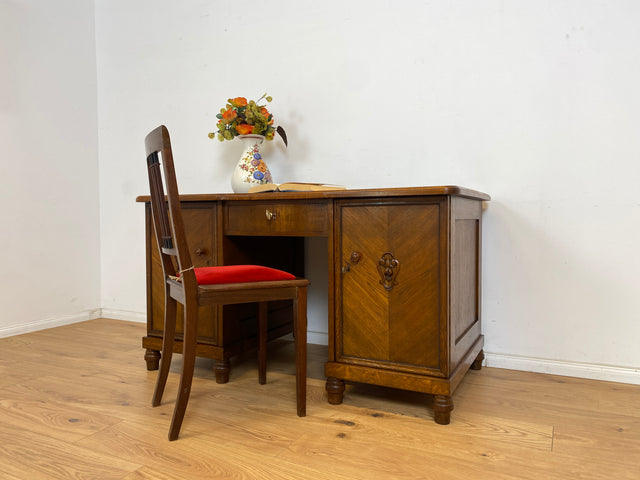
[[168, 223]]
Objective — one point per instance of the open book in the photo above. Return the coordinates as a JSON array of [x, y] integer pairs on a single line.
[[294, 187]]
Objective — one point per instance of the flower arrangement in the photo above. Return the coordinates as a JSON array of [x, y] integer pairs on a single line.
[[242, 117]]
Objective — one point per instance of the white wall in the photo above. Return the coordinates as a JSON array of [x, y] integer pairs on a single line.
[[533, 102], [48, 131]]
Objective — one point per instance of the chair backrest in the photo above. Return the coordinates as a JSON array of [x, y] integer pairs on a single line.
[[168, 224]]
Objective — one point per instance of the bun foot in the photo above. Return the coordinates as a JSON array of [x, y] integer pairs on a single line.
[[442, 406], [335, 390], [477, 363], [222, 369], [152, 357]]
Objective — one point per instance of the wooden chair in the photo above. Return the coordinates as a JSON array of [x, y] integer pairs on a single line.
[[221, 285]]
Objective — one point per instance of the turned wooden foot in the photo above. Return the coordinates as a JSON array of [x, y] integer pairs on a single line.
[[442, 406], [152, 357], [222, 369], [477, 363], [335, 389]]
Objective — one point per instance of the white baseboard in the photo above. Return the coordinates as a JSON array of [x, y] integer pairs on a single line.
[[318, 338], [569, 369], [50, 322], [124, 315]]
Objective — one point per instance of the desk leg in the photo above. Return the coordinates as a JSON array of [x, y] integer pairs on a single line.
[[442, 406], [477, 363], [222, 369], [335, 389], [152, 357]]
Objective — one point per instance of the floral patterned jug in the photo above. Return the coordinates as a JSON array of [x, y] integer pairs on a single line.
[[251, 169]]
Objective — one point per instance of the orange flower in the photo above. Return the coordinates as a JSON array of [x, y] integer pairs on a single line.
[[244, 129], [262, 167], [230, 114], [238, 102], [266, 114]]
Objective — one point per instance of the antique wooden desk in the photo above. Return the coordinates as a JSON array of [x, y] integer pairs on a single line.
[[404, 280]]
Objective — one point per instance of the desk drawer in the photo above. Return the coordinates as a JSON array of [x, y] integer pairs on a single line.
[[277, 218]]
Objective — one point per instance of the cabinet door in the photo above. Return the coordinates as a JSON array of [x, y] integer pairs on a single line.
[[391, 287], [199, 224]]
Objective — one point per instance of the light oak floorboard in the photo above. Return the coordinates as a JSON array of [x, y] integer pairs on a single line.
[[75, 404]]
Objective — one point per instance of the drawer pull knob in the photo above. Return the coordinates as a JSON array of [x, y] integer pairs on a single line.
[[270, 215], [199, 252]]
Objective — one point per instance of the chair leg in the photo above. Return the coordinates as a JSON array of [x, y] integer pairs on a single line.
[[188, 364], [300, 329], [262, 342], [170, 312]]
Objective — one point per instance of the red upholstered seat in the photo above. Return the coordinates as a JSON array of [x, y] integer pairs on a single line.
[[239, 274]]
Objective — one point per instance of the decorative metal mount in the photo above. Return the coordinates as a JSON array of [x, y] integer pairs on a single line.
[[388, 268]]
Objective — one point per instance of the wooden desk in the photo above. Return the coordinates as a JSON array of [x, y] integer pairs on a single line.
[[404, 280]]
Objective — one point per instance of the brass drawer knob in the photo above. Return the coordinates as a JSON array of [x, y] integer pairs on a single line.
[[270, 215]]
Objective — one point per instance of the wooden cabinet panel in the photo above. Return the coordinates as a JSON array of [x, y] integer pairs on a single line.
[[390, 287], [465, 277]]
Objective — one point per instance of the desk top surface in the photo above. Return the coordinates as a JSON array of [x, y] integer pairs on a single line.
[[355, 193]]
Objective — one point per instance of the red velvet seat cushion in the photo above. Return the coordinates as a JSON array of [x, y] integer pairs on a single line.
[[239, 274]]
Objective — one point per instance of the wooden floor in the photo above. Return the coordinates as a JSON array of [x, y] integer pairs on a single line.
[[75, 403]]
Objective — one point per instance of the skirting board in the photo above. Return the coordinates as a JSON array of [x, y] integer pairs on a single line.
[[315, 338], [124, 315], [50, 322], [318, 338], [568, 369]]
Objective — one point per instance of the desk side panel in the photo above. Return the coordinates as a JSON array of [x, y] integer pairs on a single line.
[[466, 224]]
